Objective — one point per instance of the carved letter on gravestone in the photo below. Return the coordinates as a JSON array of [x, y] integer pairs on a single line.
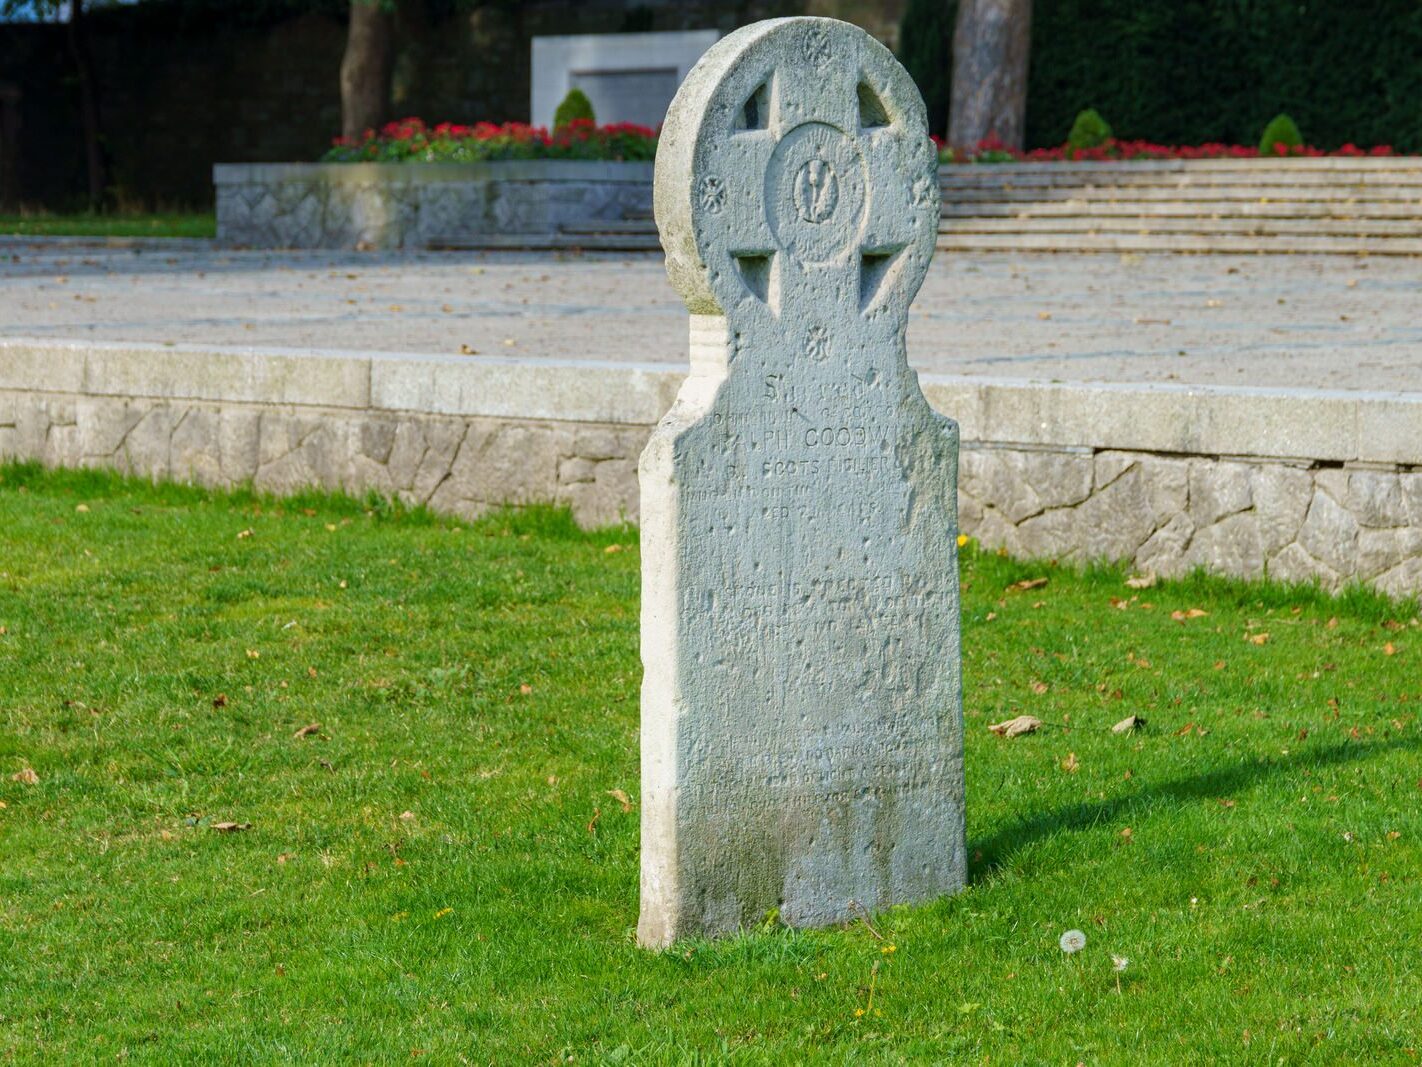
[[801, 705]]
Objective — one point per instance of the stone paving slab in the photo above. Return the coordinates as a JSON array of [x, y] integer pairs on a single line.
[[1273, 322]]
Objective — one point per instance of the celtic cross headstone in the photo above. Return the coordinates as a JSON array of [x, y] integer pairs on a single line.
[[801, 704]]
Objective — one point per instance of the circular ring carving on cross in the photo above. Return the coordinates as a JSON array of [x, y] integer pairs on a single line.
[[814, 193], [795, 146]]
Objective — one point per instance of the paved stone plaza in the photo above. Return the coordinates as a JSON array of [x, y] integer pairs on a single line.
[[1279, 321]]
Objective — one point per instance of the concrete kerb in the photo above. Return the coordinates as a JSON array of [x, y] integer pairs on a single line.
[[1296, 484], [1316, 425]]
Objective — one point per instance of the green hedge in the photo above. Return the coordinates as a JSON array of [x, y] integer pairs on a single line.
[[1193, 71]]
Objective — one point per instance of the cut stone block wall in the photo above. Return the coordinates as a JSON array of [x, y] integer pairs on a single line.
[[1166, 478], [400, 205], [1289, 520]]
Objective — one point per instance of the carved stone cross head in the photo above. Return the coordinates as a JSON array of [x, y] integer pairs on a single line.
[[795, 177]]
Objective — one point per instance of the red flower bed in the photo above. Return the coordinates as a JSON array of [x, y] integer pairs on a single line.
[[994, 151], [411, 141]]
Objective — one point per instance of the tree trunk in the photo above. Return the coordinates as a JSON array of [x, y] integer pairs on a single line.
[[365, 68], [78, 36], [991, 48]]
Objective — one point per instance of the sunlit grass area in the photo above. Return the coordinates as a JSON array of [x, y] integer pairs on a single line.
[[109, 225], [322, 780]]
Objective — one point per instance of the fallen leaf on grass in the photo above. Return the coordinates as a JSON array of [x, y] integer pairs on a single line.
[[220, 701], [1185, 730], [1389, 649], [1129, 723], [242, 535], [1038, 687], [610, 549], [1259, 639], [26, 776], [525, 689], [621, 798], [1071, 764], [1029, 583], [1023, 724], [1192, 613], [230, 827], [1140, 581], [307, 730], [592, 823]]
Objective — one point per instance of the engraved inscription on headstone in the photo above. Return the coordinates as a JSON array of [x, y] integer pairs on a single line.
[[801, 704]]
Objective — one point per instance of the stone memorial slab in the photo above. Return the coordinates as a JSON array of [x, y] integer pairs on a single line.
[[801, 703], [628, 77]]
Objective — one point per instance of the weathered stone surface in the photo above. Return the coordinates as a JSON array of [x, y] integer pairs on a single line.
[[801, 706], [395, 205], [1375, 498], [1164, 551], [1218, 488], [1230, 546], [1329, 532], [1281, 497], [1116, 521], [1294, 564]]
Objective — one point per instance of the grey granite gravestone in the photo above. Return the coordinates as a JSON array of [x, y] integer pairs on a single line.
[[801, 702]]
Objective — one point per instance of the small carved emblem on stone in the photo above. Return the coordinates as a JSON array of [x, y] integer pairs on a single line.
[[817, 47], [817, 344], [816, 191], [713, 194]]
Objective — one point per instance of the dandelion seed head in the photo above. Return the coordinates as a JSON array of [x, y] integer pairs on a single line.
[[1072, 941], [1119, 963]]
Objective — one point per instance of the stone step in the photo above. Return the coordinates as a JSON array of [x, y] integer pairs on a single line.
[[1217, 194], [1255, 165], [990, 177], [1177, 242], [1198, 225], [1156, 209], [641, 240], [636, 224]]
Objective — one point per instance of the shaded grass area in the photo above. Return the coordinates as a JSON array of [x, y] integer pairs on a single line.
[[441, 869], [109, 225]]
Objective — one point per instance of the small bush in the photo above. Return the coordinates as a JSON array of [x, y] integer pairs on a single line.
[[1281, 130], [575, 105], [1089, 130]]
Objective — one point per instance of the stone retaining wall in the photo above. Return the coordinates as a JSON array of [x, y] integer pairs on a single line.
[[1296, 485], [401, 205]]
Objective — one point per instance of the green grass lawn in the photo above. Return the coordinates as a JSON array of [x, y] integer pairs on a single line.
[[169, 224], [440, 869]]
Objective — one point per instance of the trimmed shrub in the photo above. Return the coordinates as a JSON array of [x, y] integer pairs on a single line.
[[1188, 72], [1089, 130], [1283, 132], [575, 105]]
